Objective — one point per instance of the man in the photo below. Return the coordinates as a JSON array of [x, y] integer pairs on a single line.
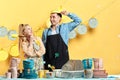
[[56, 39]]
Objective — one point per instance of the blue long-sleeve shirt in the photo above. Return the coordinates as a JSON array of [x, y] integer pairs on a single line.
[[65, 28]]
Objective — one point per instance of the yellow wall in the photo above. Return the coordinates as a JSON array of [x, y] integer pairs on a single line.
[[102, 42]]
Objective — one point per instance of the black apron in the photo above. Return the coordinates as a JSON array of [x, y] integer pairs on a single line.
[[56, 51]]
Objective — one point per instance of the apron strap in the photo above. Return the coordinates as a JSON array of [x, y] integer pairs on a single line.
[[48, 31]]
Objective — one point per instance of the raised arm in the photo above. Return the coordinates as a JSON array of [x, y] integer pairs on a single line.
[[76, 20]]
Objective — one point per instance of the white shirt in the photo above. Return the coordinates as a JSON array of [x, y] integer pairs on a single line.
[[54, 32]]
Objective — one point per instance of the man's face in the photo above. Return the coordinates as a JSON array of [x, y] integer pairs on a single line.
[[55, 19]]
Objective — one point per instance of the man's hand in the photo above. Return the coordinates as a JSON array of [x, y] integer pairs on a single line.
[[64, 12]]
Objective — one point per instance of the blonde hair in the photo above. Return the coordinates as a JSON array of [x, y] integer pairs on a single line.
[[22, 37]]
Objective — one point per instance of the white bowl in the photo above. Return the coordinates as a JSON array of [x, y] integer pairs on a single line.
[[57, 72]]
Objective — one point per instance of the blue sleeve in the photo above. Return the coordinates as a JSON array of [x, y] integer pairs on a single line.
[[44, 37], [73, 24]]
